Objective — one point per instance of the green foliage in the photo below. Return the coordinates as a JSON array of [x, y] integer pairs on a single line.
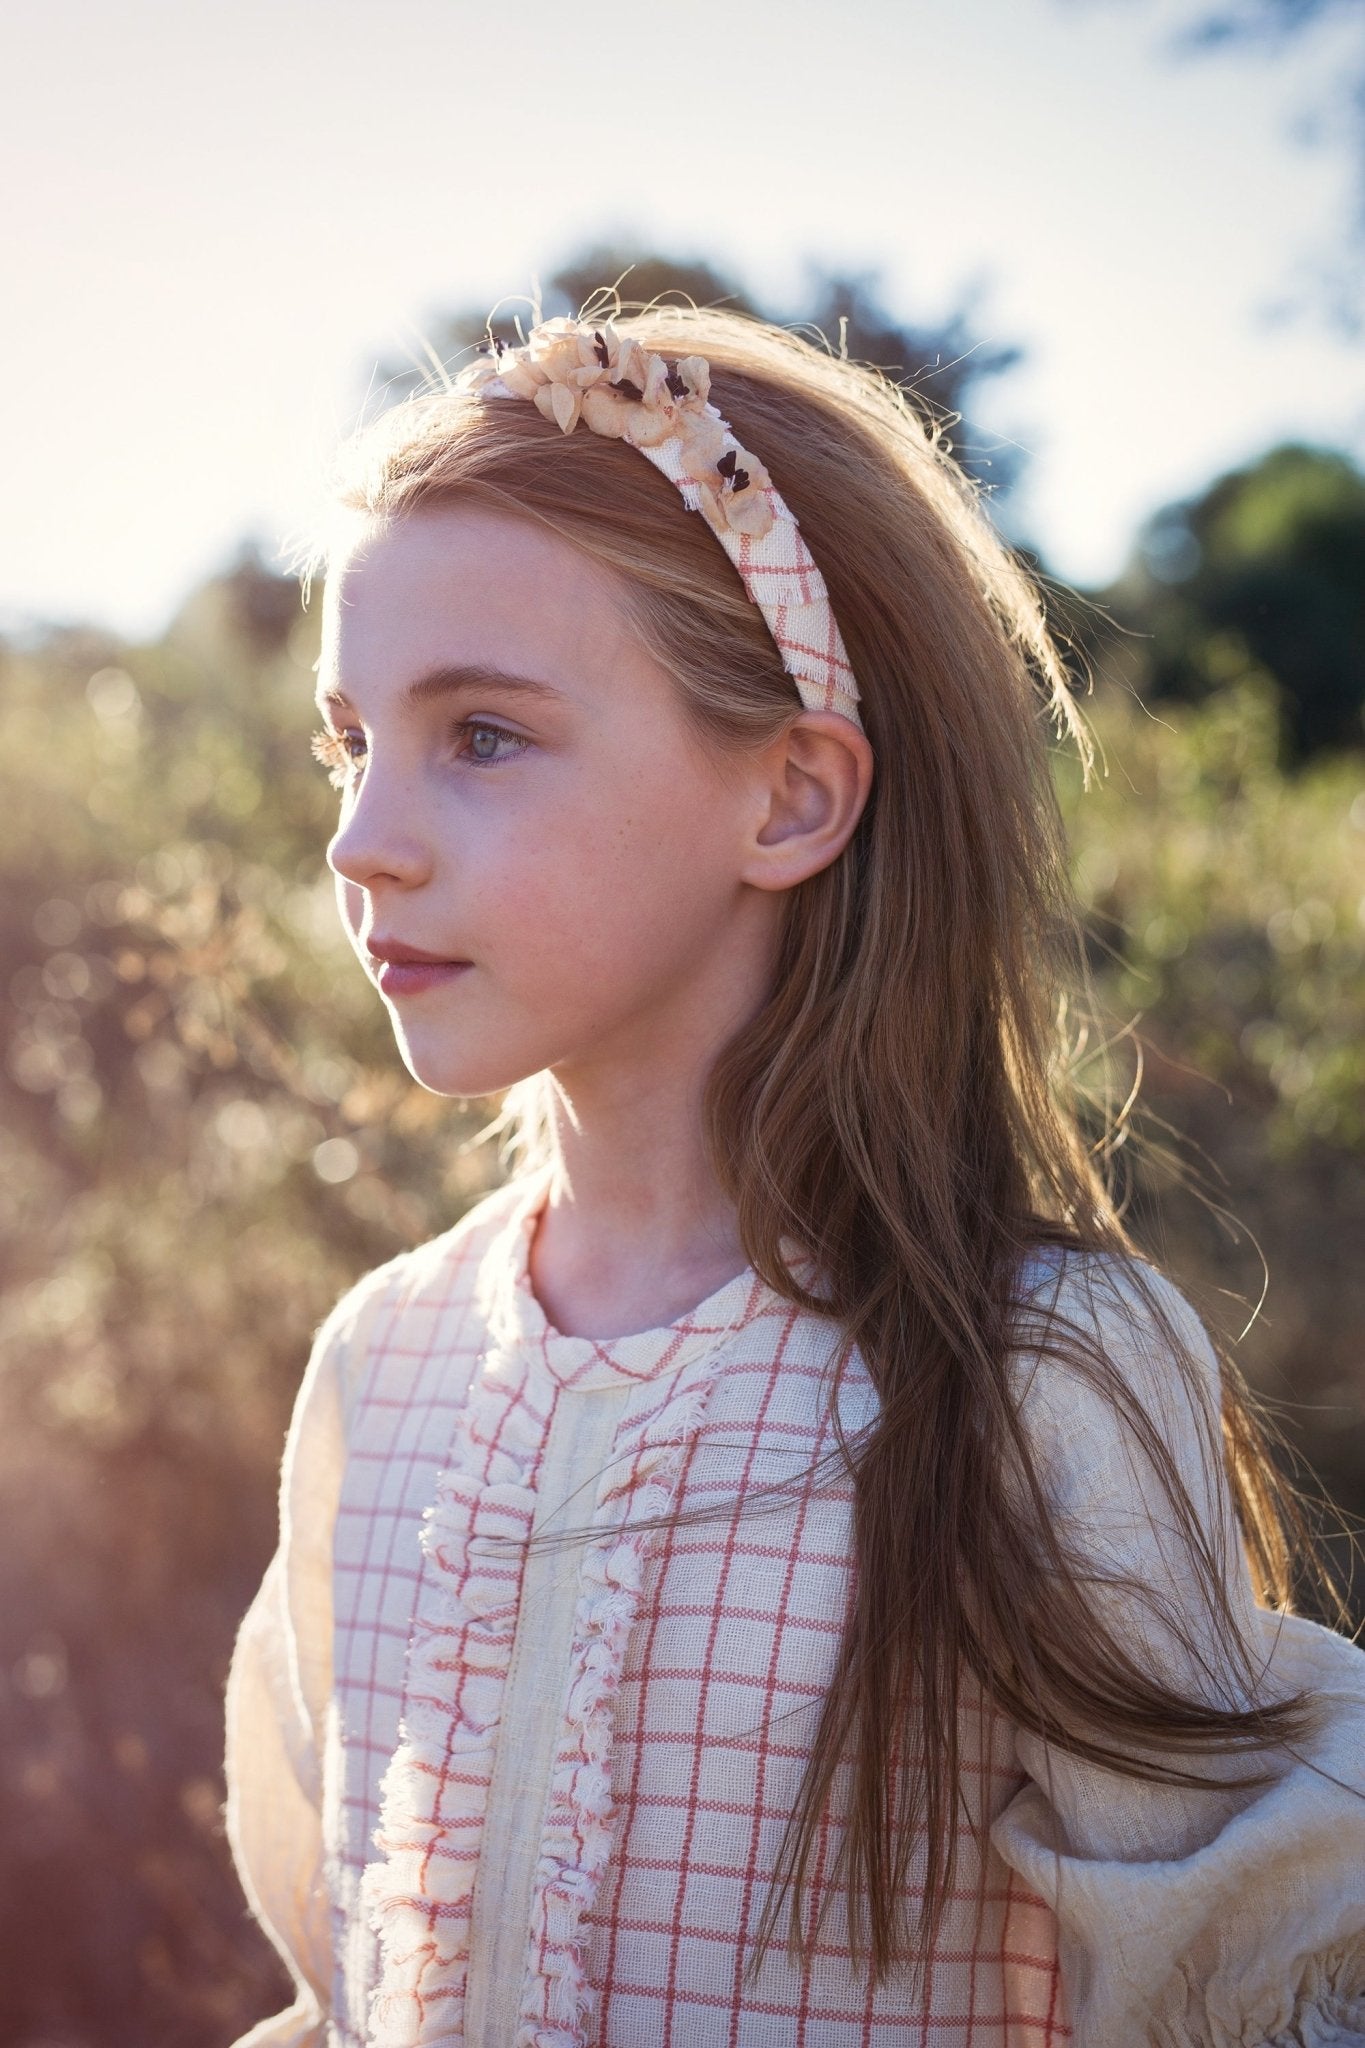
[[1228, 905], [1225, 900], [189, 1037], [1268, 567]]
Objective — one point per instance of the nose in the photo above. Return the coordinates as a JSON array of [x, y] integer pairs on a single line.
[[379, 838]]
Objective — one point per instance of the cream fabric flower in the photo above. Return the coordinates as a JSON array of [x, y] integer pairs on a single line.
[[703, 437], [625, 392], [560, 403], [609, 412], [522, 379], [736, 501]]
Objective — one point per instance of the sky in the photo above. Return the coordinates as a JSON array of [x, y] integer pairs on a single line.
[[220, 215]]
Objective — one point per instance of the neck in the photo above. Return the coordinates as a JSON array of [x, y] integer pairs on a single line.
[[636, 1230]]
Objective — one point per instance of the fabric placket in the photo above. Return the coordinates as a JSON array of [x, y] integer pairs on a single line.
[[577, 1448]]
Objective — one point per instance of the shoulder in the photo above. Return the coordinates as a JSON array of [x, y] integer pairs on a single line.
[[429, 1268], [1113, 1371], [1115, 1304], [430, 1276]]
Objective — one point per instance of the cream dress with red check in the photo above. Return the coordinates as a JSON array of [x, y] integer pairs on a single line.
[[529, 1795]]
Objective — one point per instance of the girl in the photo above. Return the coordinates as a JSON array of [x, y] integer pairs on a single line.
[[782, 1569]]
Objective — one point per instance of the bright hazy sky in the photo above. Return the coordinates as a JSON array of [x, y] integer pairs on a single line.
[[219, 214]]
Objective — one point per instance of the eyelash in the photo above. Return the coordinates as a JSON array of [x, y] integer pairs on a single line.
[[331, 749]]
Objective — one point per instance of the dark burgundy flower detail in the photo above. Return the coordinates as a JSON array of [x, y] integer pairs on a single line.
[[737, 478], [631, 389], [676, 385], [600, 350]]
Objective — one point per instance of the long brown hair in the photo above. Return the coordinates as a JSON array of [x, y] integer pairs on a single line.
[[903, 1106]]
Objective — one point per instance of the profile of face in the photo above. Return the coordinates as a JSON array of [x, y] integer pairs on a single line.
[[525, 803]]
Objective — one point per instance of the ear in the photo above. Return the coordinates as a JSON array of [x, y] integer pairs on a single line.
[[813, 782]]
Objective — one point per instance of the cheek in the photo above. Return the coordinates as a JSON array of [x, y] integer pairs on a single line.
[[650, 875]]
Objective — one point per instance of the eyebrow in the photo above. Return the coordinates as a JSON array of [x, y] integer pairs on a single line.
[[451, 679]]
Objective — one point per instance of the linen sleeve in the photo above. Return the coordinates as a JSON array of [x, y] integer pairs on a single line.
[[279, 1696], [274, 1817], [1188, 1918]]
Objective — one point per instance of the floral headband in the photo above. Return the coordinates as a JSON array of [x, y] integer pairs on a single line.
[[575, 371]]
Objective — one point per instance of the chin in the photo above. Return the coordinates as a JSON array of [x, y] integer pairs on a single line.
[[463, 1074]]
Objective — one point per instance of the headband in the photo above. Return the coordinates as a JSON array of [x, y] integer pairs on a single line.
[[573, 371]]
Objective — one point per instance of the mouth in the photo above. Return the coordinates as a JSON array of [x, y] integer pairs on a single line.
[[410, 977], [402, 970]]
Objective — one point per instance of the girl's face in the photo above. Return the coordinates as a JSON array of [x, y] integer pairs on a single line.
[[524, 802]]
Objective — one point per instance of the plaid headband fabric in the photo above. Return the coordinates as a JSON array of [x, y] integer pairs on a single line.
[[572, 371]]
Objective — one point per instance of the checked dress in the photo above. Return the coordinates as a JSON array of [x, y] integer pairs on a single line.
[[524, 1702]]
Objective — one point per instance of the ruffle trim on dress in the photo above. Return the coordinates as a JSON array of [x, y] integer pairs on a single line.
[[418, 1897], [577, 1838]]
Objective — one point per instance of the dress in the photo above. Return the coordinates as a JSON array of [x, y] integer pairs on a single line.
[[526, 1797]]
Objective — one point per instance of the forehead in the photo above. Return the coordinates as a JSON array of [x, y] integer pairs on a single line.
[[462, 583]]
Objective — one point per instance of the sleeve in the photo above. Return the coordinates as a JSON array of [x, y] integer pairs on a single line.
[[274, 1818], [1188, 1918], [279, 1694]]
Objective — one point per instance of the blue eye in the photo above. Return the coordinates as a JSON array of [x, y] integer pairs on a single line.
[[342, 753], [490, 743]]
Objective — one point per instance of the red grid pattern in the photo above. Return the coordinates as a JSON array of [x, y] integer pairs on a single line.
[[721, 1685], [783, 580], [717, 1707]]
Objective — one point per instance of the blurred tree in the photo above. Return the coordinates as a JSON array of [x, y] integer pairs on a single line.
[[937, 365], [1267, 568], [262, 607], [1224, 902]]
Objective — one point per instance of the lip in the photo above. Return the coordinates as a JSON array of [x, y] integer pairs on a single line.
[[406, 970], [410, 977], [396, 951]]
